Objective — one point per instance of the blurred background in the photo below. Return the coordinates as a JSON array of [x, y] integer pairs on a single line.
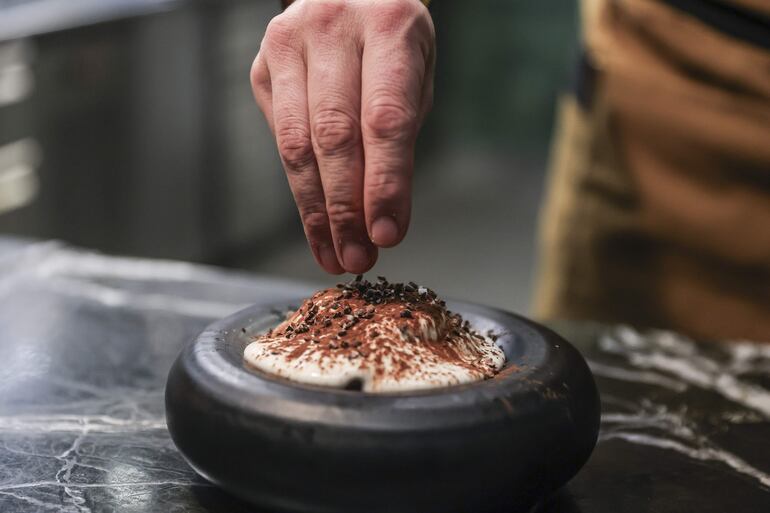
[[128, 126]]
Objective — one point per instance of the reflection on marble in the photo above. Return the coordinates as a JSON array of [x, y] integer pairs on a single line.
[[86, 342], [685, 425], [654, 425]]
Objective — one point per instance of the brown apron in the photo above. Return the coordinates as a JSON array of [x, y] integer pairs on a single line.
[[658, 207]]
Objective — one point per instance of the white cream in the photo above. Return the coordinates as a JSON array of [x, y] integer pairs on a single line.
[[386, 352]]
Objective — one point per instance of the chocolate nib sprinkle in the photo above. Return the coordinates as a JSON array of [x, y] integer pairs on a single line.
[[358, 300]]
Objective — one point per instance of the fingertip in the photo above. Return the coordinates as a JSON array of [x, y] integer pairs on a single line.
[[327, 258], [357, 258], [385, 232]]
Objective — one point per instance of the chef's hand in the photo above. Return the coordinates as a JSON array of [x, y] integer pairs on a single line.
[[345, 86]]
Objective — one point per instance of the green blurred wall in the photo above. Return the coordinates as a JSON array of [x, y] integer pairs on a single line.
[[501, 65]]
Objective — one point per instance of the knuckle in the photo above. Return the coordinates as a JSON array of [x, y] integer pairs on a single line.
[[281, 32], [258, 74], [315, 221], [335, 131], [343, 213], [295, 147], [389, 121], [385, 189], [255, 71], [391, 16], [325, 12]]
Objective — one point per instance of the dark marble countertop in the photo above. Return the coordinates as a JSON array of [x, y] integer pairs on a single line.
[[86, 342]]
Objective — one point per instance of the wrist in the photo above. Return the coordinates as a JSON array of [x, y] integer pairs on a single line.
[[287, 3]]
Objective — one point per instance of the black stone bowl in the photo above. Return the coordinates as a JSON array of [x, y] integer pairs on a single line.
[[496, 445]]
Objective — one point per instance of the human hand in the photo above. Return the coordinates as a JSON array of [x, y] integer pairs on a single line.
[[345, 86]]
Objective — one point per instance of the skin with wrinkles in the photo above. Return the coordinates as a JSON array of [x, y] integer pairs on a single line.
[[345, 86]]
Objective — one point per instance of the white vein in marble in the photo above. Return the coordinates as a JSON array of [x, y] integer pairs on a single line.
[[678, 358]]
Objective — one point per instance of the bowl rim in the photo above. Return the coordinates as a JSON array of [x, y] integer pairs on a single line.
[[534, 355]]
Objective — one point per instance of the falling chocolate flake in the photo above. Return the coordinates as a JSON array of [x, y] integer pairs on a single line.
[[359, 277]]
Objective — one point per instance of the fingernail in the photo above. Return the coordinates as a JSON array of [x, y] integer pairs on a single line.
[[355, 257], [384, 231], [328, 257]]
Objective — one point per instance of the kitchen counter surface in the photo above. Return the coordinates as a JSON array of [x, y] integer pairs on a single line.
[[86, 342]]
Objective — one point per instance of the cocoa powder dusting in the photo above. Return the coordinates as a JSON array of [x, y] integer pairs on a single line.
[[390, 329]]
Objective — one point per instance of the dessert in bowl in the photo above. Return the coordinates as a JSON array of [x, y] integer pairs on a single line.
[[376, 337], [450, 407]]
